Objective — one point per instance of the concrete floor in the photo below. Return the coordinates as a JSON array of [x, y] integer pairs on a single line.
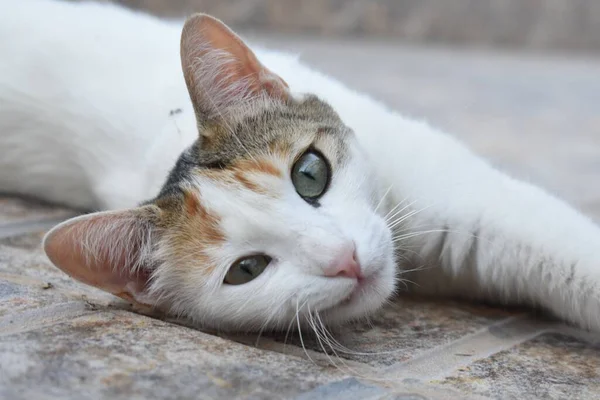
[[535, 116]]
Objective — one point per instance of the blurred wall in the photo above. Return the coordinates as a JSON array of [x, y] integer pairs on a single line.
[[533, 24]]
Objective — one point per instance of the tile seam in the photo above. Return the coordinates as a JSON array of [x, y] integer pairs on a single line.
[[441, 361]]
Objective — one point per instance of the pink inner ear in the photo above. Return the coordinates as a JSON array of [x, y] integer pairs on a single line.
[[218, 64], [219, 36], [102, 250]]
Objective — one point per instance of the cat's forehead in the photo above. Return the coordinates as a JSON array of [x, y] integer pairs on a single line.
[[273, 139], [285, 128]]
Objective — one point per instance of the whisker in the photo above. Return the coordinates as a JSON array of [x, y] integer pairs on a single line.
[[269, 318], [420, 268], [404, 217], [311, 322], [419, 233], [321, 332], [383, 198], [339, 346], [300, 334], [395, 208], [323, 335], [413, 234], [397, 212], [291, 322]]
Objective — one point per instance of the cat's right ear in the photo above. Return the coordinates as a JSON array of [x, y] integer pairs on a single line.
[[222, 73], [109, 250]]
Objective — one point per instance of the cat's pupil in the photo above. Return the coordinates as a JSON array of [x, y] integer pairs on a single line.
[[310, 175], [248, 266]]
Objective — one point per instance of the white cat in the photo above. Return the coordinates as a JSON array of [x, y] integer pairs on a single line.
[[282, 207]]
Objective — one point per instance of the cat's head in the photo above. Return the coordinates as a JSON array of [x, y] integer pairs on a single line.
[[272, 212]]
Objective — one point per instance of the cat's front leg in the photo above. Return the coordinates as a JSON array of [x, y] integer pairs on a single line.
[[469, 230], [506, 241]]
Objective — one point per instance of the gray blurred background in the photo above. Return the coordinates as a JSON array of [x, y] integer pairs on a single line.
[[532, 24], [517, 80]]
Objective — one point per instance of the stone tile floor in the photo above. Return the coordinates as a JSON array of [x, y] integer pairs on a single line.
[[535, 116]]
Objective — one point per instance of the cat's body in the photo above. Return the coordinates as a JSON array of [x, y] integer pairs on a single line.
[[94, 112], [65, 85]]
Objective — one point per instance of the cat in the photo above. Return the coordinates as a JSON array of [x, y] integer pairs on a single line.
[[252, 191]]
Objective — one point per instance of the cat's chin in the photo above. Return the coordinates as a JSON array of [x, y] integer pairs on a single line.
[[367, 297]]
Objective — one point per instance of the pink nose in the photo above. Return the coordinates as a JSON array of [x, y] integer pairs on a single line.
[[345, 265]]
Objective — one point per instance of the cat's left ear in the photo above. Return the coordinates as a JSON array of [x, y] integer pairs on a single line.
[[109, 250], [221, 72]]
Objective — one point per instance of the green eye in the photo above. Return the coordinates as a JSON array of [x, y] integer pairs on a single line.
[[310, 175], [246, 269]]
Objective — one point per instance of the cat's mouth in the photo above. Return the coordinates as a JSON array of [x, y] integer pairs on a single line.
[[362, 285], [363, 298], [362, 289]]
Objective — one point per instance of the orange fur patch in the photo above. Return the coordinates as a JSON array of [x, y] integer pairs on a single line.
[[203, 224], [261, 166], [247, 182], [192, 203], [243, 173], [195, 231]]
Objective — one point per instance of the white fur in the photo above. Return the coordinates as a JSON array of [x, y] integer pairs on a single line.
[[86, 92]]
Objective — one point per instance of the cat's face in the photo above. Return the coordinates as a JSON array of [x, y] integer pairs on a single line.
[[289, 222], [273, 211]]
